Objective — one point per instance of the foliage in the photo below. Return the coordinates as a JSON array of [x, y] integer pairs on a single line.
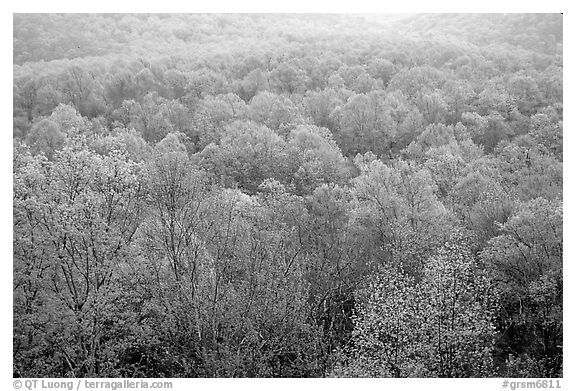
[[287, 195], [439, 327]]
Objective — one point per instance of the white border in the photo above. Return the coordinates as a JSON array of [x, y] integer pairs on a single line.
[[357, 6]]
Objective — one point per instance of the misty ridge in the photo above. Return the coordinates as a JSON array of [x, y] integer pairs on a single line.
[[287, 195]]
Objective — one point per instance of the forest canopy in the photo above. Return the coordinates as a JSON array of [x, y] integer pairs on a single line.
[[278, 195]]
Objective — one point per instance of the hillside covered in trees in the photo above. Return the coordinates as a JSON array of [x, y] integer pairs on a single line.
[[287, 195]]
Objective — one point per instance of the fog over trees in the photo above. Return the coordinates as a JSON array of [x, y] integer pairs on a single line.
[[214, 195]]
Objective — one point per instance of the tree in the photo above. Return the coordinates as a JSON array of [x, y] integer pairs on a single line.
[[445, 168], [84, 221], [123, 139], [273, 110], [288, 78], [119, 87], [529, 173], [398, 212], [381, 68], [77, 86], [435, 135], [487, 130], [494, 98], [300, 196], [177, 83], [548, 133], [316, 157], [252, 84], [45, 137], [364, 124], [415, 80], [318, 106], [155, 117], [26, 96], [69, 120], [172, 234], [433, 108], [526, 259], [440, 327], [481, 203], [211, 116], [458, 95], [248, 154], [335, 262], [524, 90]]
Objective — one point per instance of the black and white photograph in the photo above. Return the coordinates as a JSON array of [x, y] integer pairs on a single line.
[[287, 195]]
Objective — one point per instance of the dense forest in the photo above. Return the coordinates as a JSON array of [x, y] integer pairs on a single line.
[[287, 195]]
